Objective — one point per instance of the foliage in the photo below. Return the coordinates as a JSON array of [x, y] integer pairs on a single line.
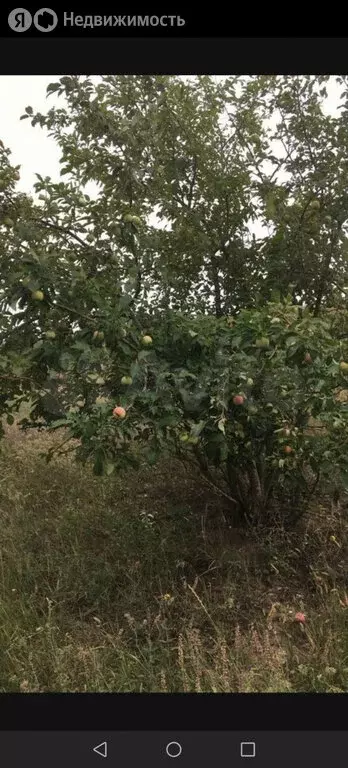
[[164, 249]]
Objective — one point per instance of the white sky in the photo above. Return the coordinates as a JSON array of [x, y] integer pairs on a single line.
[[31, 148]]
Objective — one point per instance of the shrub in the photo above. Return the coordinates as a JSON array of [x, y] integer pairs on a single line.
[[259, 449]]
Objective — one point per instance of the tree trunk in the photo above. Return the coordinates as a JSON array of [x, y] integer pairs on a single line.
[[217, 287]]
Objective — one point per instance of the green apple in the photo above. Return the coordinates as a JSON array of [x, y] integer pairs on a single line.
[[38, 295], [262, 343]]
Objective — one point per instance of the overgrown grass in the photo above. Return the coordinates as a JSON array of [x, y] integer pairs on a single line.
[[137, 583]]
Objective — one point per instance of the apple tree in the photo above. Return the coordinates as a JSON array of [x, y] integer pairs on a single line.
[[144, 311]]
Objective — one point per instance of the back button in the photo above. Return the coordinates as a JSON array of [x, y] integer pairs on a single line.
[[101, 749]]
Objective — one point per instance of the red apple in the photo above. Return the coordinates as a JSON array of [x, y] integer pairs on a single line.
[[119, 411], [238, 400]]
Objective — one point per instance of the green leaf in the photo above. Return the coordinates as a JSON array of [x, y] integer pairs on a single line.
[[126, 349], [134, 370], [144, 354], [125, 301], [66, 361], [53, 87], [196, 429], [291, 340], [81, 345]]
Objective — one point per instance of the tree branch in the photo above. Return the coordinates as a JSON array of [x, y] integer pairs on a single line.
[[192, 183]]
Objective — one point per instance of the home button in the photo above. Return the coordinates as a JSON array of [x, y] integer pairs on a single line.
[[173, 749]]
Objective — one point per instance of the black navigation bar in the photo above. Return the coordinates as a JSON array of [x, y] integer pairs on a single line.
[[174, 749]]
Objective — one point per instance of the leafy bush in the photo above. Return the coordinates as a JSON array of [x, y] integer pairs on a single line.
[[251, 400]]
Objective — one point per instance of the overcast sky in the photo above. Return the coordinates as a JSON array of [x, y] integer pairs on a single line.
[[31, 148]]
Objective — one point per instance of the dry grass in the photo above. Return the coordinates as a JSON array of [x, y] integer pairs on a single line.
[[136, 583]]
